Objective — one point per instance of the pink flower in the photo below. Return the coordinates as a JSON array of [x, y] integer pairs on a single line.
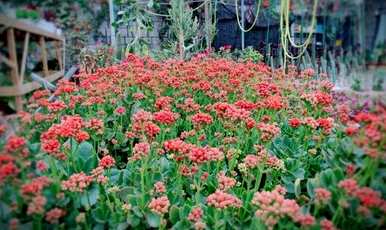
[[327, 225], [305, 219], [54, 215], [224, 182], [140, 150], [252, 161], [364, 211], [56, 106], [163, 102], [268, 131], [120, 110], [349, 185], [138, 96], [160, 205], [309, 72], [322, 195], [107, 161], [195, 214], [36, 186], [272, 206], [159, 187], [77, 182], [41, 165], [37, 205], [220, 199]]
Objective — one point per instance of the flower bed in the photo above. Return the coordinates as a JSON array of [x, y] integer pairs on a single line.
[[203, 144]]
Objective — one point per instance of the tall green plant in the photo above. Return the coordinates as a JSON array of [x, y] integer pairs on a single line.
[[183, 27]]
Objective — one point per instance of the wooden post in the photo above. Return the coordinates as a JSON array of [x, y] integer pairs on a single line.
[[14, 69], [24, 58], [44, 56], [59, 55]]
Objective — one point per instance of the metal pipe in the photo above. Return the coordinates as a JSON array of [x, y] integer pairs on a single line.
[[112, 28], [242, 24]]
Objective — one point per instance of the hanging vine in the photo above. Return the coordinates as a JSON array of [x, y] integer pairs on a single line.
[[254, 21], [285, 36]]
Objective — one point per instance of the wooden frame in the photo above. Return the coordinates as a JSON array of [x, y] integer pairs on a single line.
[[17, 76]]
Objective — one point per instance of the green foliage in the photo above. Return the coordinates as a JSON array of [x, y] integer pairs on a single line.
[[250, 54], [356, 85], [183, 28]]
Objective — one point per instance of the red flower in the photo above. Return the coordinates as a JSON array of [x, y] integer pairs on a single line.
[[202, 118], [165, 117], [294, 122], [82, 136], [201, 155], [51, 146], [8, 169], [36, 186], [56, 106], [107, 162], [14, 143]]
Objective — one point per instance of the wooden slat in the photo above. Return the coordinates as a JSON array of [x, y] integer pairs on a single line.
[[14, 70], [8, 91], [20, 25], [24, 58], [7, 61], [12, 55], [42, 42]]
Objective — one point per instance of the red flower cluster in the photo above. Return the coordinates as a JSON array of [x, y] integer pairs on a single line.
[[205, 154], [36, 186], [367, 196], [8, 168], [165, 117], [201, 119], [107, 162], [14, 143]]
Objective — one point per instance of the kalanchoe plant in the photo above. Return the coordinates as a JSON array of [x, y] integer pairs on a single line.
[[208, 143]]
